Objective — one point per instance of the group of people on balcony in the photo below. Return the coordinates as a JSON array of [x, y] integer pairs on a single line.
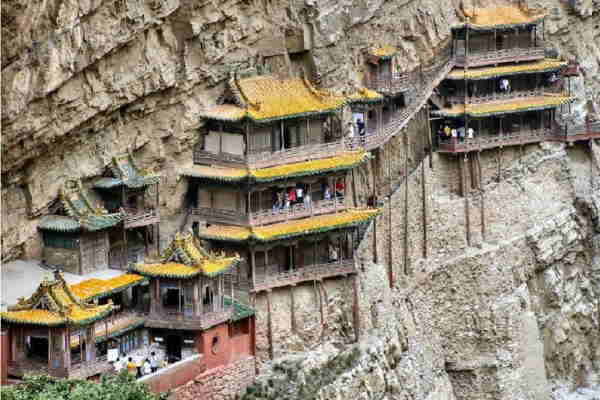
[[448, 133], [284, 200], [357, 127]]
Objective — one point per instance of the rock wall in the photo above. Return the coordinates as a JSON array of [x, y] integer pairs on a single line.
[[84, 80]]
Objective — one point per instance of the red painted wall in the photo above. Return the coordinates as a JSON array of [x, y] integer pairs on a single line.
[[4, 355], [176, 376], [214, 356]]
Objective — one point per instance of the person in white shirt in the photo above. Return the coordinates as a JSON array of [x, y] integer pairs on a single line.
[[470, 133], [147, 368]]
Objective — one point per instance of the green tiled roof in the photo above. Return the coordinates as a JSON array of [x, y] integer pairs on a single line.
[[59, 223], [126, 172], [134, 325], [102, 221], [240, 310]]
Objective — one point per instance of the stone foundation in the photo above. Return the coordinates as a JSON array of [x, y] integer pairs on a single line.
[[225, 382]]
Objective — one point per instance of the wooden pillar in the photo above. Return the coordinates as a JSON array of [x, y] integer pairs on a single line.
[[282, 144], [269, 324], [405, 217], [424, 196], [308, 137], [253, 266], [292, 309], [466, 195], [482, 194], [390, 251], [429, 138], [247, 136], [4, 355], [375, 258], [354, 194], [125, 249], [355, 308]]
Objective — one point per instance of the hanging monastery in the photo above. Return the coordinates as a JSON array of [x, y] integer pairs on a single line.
[[272, 204]]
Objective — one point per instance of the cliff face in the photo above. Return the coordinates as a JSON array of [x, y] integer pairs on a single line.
[[505, 319]]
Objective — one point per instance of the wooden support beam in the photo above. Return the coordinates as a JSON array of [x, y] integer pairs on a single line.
[[460, 177], [482, 194], [292, 309], [269, 324], [375, 258], [355, 307], [390, 251], [353, 182], [405, 217], [424, 197], [467, 210]]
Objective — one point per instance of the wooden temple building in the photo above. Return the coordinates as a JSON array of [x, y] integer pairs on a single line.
[[110, 226], [192, 305], [503, 90], [181, 307], [281, 202]]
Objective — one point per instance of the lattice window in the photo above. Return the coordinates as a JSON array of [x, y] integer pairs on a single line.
[[60, 240]]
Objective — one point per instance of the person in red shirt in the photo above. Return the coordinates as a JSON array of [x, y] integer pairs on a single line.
[[339, 188], [292, 195]]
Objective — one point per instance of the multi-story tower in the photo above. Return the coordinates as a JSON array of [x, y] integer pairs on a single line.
[[133, 192], [269, 181], [504, 90]]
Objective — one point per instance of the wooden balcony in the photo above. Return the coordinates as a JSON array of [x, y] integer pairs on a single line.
[[397, 82], [166, 319], [208, 158], [297, 211], [269, 216], [140, 217], [295, 154], [453, 145], [307, 273], [491, 97], [218, 215], [481, 58]]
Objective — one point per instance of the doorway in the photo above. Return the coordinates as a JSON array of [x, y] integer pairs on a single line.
[[173, 344]]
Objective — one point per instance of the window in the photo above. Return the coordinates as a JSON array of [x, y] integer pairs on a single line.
[[60, 240], [215, 345]]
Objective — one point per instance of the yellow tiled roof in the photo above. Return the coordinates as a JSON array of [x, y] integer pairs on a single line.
[[269, 98], [504, 15], [185, 259], [289, 229], [384, 51], [93, 288], [226, 112], [506, 107], [547, 64], [344, 161], [365, 95], [54, 304]]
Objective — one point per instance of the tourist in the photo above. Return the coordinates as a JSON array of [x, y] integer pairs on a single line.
[[299, 194], [339, 188], [132, 368], [147, 367], [504, 85], [470, 133], [292, 195], [333, 253], [327, 193], [454, 134], [361, 127], [350, 130], [447, 131], [307, 200], [287, 201], [276, 202], [154, 361], [461, 134]]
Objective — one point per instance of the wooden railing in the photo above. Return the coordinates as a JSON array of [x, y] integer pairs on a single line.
[[294, 154], [206, 157], [179, 320], [297, 211], [86, 369], [135, 217], [489, 97], [220, 215], [454, 145], [306, 273], [395, 82], [479, 58]]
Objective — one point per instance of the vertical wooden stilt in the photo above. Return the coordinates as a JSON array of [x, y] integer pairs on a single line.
[[424, 196], [499, 164], [269, 324], [355, 308], [405, 217], [460, 178], [354, 194], [292, 309], [467, 211], [390, 254], [482, 193]]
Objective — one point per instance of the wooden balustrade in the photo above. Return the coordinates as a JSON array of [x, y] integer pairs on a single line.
[[271, 279], [135, 217], [180, 320], [454, 145], [480, 58], [496, 96], [269, 216], [295, 154], [297, 211]]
